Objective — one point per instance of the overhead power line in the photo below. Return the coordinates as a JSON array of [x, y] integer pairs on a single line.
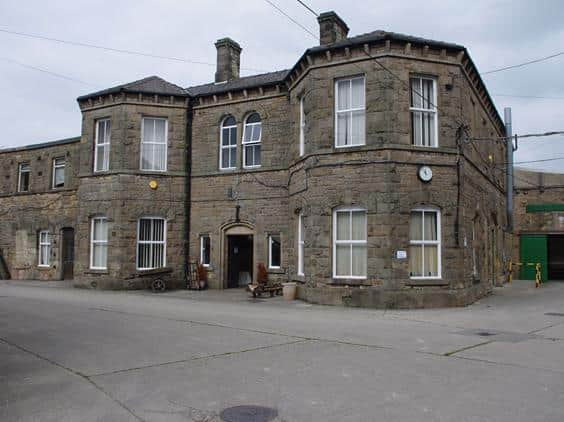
[[528, 96], [527, 135], [114, 50], [291, 18], [515, 66], [58, 75], [303, 3]]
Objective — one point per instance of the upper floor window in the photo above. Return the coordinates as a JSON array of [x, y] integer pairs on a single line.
[[301, 243], [153, 144], [349, 243], [151, 243], [58, 172], [228, 144], [423, 107], [205, 250], [274, 252], [44, 248], [425, 243], [99, 243], [349, 112], [251, 141], [302, 127], [24, 173], [102, 145]]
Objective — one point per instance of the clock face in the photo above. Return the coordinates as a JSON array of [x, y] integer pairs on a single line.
[[425, 173]]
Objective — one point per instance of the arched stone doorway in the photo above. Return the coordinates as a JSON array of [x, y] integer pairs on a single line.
[[237, 257]]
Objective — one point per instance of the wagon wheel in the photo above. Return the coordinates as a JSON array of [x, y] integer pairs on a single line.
[[158, 286]]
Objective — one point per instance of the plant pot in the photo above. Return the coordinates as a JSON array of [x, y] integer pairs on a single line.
[[289, 290]]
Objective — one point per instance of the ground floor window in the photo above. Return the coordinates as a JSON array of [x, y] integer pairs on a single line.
[[349, 243], [274, 251], [301, 243], [151, 243], [99, 243], [205, 250], [44, 248], [425, 243]]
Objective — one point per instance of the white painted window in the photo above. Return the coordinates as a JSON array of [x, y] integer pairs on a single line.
[[425, 243], [301, 243], [349, 243], [24, 173], [154, 133], [99, 243], [349, 112], [252, 132], [59, 172], [274, 252], [423, 109], [151, 243], [44, 248], [102, 145], [474, 246], [228, 144], [205, 250], [302, 127]]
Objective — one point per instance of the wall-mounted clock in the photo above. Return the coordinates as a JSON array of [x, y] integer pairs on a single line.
[[425, 173]]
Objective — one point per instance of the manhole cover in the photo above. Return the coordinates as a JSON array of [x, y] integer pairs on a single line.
[[554, 314], [248, 414], [484, 334]]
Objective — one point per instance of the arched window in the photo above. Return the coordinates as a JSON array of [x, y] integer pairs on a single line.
[[228, 144], [251, 141]]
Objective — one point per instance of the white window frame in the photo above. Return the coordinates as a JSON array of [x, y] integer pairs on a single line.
[[44, 244], [437, 242], [245, 144], [143, 142], [302, 128], [151, 242], [350, 242], [96, 242], [474, 255], [28, 170], [301, 244], [230, 147], [433, 110], [270, 266], [55, 168], [105, 145], [202, 237], [349, 111]]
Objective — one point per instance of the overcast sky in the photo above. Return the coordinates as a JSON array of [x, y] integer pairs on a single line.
[[38, 107]]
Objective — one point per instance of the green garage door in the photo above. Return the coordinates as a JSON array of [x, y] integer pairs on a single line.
[[533, 249]]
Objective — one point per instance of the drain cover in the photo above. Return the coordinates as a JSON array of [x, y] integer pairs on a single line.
[[484, 334], [554, 314], [248, 414]]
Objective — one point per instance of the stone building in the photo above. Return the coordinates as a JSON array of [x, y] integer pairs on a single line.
[[539, 223], [350, 173]]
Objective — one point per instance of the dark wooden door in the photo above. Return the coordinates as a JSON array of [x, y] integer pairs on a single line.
[[239, 259], [68, 253]]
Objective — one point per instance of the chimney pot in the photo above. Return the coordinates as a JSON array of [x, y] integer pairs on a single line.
[[228, 60], [331, 28]]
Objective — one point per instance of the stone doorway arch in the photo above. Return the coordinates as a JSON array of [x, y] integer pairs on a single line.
[[238, 255]]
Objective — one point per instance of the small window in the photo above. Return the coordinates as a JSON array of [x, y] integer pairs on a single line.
[[274, 251], [349, 112], [153, 144], [44, 248], [58, 172], [151, 243], [301, 243], [423, 112], [228, 144], [205, 250], [302, 127], [99, 243], [349, 243], [102, 146], [24, 173], [251, 141], [425, 244]]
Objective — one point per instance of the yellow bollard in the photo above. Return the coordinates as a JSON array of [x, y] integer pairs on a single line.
[[538, 275], [510, 272]]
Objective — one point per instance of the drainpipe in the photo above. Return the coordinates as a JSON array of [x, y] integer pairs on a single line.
[[188, 185], [509, 168]]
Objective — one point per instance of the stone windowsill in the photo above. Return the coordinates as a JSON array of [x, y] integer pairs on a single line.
[[97, 272], [351, 282], [276, 271], [427, 282]]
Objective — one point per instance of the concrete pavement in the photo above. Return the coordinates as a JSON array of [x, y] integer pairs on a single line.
[[75, 355]]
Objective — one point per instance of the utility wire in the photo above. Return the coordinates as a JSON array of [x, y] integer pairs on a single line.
[[528, 96], [308, 8], [58, 75], [528, 135], [515, 66], [291, 18], [115, 50]]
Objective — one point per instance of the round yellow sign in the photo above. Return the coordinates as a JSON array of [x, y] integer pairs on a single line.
[[153, 184]]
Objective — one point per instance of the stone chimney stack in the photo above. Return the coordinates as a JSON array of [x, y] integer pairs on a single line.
[[228, 60], [331, 28]]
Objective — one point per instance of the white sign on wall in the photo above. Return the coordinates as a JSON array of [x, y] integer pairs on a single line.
[[401, 254]]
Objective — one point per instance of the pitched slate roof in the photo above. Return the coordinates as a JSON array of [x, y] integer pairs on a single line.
[[149, 85], [262, 79], [41, 145]]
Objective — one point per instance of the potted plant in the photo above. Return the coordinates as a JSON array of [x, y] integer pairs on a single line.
[[202, 277]]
